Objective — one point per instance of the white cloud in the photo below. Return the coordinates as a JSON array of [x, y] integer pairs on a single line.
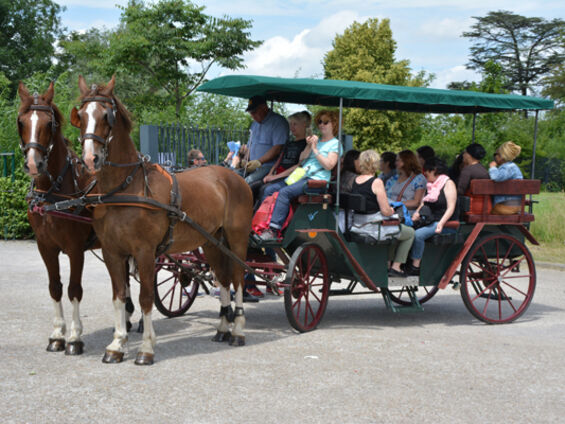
[[445, 29], [302, 55], [456, 73]]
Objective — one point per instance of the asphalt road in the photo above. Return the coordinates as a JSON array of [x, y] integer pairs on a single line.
[[363, 364]]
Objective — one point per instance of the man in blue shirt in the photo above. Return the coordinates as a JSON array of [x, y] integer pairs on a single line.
[[269, 132]]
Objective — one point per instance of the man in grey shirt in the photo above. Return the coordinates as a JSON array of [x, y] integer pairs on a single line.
[[269, 133]]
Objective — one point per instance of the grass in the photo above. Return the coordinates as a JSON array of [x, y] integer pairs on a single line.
[[549, 228]]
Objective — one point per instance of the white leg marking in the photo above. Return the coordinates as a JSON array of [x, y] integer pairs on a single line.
[[239, 321], [76, 324], [59, 327], [225, 300], [149, 338], [120, 332]]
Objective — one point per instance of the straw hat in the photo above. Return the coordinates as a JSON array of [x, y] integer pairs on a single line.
[[509, 151]]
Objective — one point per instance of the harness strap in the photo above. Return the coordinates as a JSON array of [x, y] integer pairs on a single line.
[[173, 217]]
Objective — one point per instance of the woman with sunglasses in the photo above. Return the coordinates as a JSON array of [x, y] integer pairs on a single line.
[[318, 159], [196, 158]]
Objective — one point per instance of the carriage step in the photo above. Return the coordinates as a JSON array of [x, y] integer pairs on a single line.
[[415, 305]]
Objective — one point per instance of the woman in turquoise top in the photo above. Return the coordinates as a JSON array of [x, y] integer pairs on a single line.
[[501, 169], [318, 159]]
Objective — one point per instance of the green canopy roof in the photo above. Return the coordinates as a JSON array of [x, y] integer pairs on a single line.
[[368, 95]]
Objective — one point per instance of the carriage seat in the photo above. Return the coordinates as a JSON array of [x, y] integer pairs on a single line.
[[481, 190], [357, 204], [316, 191]]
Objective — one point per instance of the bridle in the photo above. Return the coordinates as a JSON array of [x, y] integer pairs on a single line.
[[110, 118], [45, 150]]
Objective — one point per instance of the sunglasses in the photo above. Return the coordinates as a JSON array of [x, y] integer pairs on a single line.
[[320, 122]]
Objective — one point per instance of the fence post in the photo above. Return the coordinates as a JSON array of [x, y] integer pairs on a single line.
[[149, 141]]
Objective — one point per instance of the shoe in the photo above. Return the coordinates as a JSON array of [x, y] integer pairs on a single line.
[[411, 270], [396, 274], [270, 291], [269, 235], [254, 291], [247, 297]]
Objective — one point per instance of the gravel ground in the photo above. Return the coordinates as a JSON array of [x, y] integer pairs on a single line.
[[363, 364]]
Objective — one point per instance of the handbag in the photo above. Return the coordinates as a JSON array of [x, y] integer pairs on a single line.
[[376, 226], [426, 217]]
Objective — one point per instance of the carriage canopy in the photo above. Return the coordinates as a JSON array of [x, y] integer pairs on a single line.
[[366, 95]]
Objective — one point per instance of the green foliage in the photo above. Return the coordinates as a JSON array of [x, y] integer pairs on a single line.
[[365, 52], [526, 48], [28, 31], [550, 215], [163, 41], [13, 219]]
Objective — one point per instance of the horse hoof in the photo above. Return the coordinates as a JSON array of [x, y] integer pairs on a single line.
[[237, 341], [144, 358], [222, 337], [56, 345], [113, 357], [74, 348]]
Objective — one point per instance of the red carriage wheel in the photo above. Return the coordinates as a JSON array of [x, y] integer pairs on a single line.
[[498, 279], [307, 290], [175, 289], [424, 293]]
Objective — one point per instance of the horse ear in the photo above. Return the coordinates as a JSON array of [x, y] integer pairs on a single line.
[[48, 96], [75, 119], [23, 91], [109, 87], [83, 88]]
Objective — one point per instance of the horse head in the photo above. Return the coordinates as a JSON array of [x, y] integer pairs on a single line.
[[38, 123], [99, 117]]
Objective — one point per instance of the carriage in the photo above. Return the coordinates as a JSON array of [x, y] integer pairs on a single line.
[[486, 258]]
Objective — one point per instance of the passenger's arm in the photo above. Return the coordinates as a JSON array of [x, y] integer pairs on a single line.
[[417, 200], [379, 189], [327, 162], [451, 197], [271, 154]]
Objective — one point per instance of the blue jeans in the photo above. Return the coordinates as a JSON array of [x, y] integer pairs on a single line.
[[256, 175], [420, 237]]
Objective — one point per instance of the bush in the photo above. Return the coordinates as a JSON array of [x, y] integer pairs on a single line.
[[13, 219]]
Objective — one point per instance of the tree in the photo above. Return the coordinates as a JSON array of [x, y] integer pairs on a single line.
[[526, 48], [365, 52], [165, 40], [28, 31]]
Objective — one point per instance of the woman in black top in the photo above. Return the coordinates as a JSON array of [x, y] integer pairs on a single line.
[[373, 190], [440, 202]]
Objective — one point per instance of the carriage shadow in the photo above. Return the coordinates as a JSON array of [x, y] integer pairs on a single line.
[[191, 333]]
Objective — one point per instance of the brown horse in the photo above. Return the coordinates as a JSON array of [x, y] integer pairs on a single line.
[[57, 175], [214, 197]]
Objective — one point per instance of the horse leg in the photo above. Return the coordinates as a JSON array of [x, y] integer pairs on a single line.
[[226, 316], [50, 257], [115, 350], [129, 304], [146, 267], [75, 345], [238, 337]]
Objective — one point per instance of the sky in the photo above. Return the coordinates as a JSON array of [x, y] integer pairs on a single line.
[[297, 33]]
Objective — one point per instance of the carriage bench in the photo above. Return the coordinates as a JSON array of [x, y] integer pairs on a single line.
[[316, 192], [480, 193]]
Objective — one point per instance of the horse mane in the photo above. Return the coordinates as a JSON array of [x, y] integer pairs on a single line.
[[122, 112]]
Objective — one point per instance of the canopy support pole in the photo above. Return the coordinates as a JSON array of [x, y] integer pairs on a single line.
[[532, 176], [474, 123], [338, 164]]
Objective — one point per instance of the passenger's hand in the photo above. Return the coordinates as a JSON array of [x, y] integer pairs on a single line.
[[493, 163], [268, 178], [439, 228], [416, 216], [312, 141], [252, 165]]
